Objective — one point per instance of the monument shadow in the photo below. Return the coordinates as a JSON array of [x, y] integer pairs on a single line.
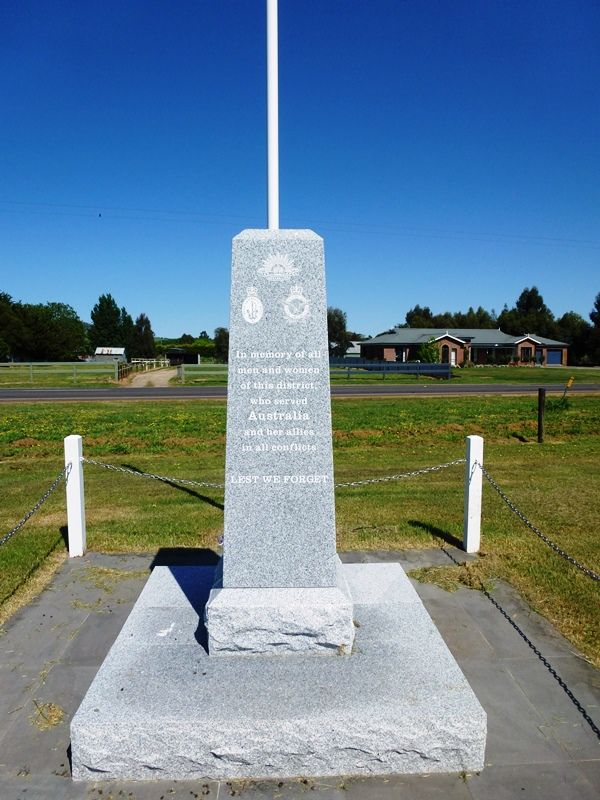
[[194, 571]]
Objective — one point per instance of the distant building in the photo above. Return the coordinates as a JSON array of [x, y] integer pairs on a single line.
[[353, 351], [110, 354], [180, 355], [459, 345]]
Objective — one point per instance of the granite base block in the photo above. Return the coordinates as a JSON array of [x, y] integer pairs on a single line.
[[292, 620], [161, 708]]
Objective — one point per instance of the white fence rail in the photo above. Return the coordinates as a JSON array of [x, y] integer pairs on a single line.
[[190, 371], [38, 371]]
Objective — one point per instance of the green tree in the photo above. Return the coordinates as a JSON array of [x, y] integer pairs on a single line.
[[127, 331], [418, 317], [428, 352], [474, 318], [595, 312], [111, 326], [575, 330], [593, 351], [64, 333], [142, 343], [36, 332], [12, 327], [106, 329], [339, 338], [221, 340], [529, 315]]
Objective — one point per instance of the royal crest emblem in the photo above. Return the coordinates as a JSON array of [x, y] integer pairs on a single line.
[[278, 267], [296, 306], [252, 307]]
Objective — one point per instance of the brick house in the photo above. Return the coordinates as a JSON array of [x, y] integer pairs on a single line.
[[460, 345]]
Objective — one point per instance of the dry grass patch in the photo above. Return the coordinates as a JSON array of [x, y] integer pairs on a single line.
[[47, 715], [34, 586], [105, 578]]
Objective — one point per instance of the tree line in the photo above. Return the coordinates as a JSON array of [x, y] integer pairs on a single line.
[[54, 332], [529, 314]]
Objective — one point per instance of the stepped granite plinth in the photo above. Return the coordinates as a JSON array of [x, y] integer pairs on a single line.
[[161, 707]]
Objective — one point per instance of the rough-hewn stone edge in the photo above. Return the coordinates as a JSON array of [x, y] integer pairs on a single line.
[[261, 621]]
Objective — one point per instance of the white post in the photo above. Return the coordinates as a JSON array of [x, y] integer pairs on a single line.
[[272, 117], [75, 496], [473, 490]]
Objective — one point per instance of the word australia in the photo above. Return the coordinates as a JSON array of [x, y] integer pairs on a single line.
[[278, 416]]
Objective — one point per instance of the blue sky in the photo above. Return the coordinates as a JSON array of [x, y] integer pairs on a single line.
[[447, 152]]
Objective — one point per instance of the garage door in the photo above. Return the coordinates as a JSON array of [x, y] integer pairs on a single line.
[[554, 357]]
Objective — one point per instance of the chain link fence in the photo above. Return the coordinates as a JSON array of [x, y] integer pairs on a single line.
[[63, 474]]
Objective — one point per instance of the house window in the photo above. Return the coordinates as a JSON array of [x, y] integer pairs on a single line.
[[526, 354]]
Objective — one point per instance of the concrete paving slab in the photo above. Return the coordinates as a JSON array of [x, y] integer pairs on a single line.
[[40, 788], [461, 632], [28, 750], [591, 770], [50, 628], [546, 781], [582, 678], [92, 641], [515, 734], [16, 688], [415, 787], [500, 634], [560, 719], [533, 625]]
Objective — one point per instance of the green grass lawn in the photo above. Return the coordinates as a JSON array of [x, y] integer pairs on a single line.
[[556, 484], [472, 375]]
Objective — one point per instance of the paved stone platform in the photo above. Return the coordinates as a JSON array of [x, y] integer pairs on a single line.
[[539, 745]]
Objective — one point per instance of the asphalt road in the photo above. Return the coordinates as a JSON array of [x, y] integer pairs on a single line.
[[216, 392]]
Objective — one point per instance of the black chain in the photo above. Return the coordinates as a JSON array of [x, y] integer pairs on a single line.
[[586, 570], [162, 478], [399, 476], [537, 652], [185, 482], [63, 474]]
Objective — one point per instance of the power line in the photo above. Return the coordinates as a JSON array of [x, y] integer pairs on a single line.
[[334, 226]]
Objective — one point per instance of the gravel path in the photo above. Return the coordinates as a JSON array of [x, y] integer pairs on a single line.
[[153, 378]]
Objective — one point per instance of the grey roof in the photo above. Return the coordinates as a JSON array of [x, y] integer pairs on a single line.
[[109, 351], [480, 337]]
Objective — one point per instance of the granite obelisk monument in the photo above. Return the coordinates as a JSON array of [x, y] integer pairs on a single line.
[[279, 495]]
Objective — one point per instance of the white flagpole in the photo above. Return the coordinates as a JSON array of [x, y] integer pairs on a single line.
[[272, 117]]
